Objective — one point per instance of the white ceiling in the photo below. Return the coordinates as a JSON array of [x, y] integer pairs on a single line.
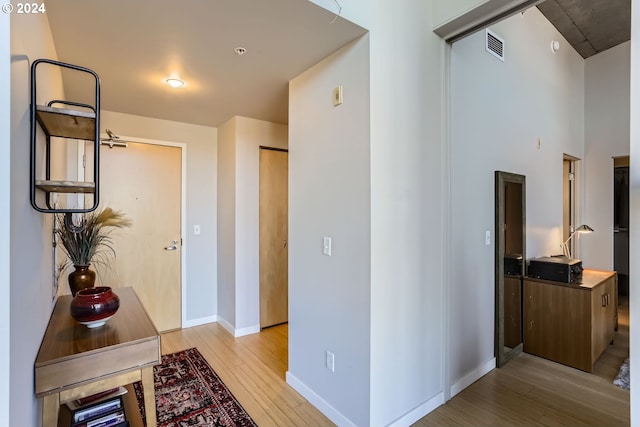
[[134, 45]]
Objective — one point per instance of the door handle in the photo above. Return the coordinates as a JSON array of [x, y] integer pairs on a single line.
[[173, 247]]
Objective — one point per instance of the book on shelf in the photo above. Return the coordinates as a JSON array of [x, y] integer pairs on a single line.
[[105, 409], [74, 405], [111, 419]]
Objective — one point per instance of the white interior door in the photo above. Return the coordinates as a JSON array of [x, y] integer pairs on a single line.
[[144, 181]]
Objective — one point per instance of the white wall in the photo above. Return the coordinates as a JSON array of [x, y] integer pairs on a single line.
[[407, 225], [634, 226], [445, 11], [407, 313], [240, 142], [227, 223], [201, 250], [606, 135], [498, 112], [30, 236], [5, 224], [559, 98], [251, 134], [329, 195]]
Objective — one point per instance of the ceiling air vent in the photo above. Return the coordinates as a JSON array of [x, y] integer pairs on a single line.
[[495, 45]]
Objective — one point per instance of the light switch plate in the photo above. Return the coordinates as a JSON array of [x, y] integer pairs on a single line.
[[337, 95], [330, 362], [326, 245]]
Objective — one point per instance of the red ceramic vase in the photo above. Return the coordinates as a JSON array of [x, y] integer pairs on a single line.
[[94, 306]]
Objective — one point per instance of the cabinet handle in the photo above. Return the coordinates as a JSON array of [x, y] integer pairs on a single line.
[[604, 300]]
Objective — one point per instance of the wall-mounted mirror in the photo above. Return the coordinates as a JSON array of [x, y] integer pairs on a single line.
[[509, 264]]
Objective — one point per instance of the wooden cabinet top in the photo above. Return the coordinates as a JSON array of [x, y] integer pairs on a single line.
[[65, 337], [590, 279], [72, 354]]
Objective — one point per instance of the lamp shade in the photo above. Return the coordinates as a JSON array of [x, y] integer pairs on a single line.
[[584, 228]]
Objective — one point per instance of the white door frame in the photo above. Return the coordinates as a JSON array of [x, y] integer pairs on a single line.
[[183, 212]]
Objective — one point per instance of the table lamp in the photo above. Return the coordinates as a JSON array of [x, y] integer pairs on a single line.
[[582, 229]]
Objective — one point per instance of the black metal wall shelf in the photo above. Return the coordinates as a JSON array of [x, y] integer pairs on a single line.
[[69, 120], [66, 123], [66, 186]]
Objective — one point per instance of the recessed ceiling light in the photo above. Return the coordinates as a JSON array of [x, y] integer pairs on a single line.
[[173, 82], [240, 51]]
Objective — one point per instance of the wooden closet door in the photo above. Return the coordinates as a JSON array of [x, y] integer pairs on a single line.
[[273, 237]]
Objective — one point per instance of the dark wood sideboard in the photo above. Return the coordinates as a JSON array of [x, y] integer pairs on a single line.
[[569, 323]]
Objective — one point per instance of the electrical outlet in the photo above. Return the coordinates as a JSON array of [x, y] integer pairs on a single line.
[[330, 361], [196, 229]]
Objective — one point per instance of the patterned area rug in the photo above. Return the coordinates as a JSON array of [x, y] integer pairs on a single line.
[[623, 379], [190, 394]]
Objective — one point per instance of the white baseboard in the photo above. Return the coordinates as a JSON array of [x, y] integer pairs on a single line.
[[238, 332], [199, 321], [473, 376], [225, 324], [340, 420], [414, 415], [247, 331], [329, 411]]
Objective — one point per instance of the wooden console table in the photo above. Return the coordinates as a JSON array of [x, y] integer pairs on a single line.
[[571, 324], [75, 361]]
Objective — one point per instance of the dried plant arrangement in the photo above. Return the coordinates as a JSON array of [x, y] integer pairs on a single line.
[[89, 241]]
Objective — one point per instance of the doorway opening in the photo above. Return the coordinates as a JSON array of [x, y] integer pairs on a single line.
[[621, 223], [572, 189], [569, 185]]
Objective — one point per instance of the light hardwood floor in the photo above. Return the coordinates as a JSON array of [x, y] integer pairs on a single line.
[[529, 391], [609, 363], [253, 367]]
